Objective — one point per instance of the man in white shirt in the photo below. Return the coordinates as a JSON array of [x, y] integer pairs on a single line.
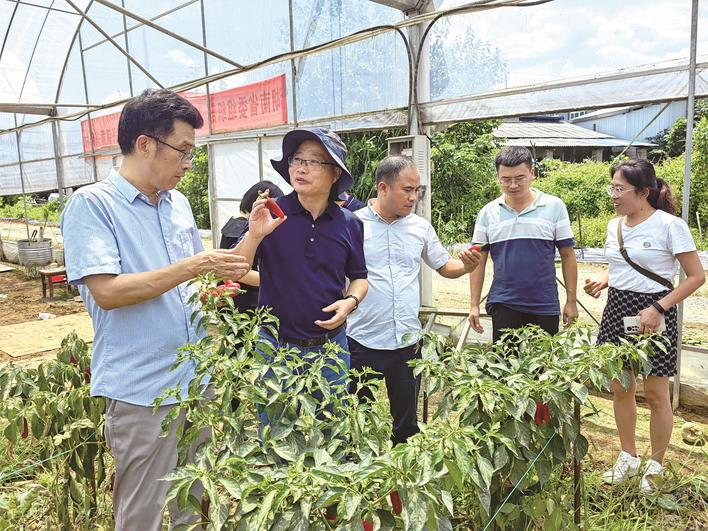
[[395, 242]]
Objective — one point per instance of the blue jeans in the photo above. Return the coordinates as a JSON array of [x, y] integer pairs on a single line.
[[331, 375]]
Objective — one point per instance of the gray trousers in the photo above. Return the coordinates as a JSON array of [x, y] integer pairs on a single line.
[[141, 458]]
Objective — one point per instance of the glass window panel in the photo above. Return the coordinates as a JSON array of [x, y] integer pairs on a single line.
[[318, 21], [19, 45], [77, 171], [72, 83], [361, 77], [70, 139], [6, 9], [263, 30], [48, 60], [8, 141], [109, 20], [168, 60], [103, 166], [36, 142], [555, 41], [152, 8], [106, 74], [272, 148], [39, 176], [235, 168], [10, 180]]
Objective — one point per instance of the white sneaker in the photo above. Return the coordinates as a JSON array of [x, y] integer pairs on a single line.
[[626, 466], [652, 468]]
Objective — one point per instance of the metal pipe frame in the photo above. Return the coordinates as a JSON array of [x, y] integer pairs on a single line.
[[48, 8], [113, 42], [690, 109], [127, 29], [127, 50], [343, 41], [167, 32]]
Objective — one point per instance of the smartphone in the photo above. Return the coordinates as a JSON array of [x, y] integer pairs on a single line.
[[631, 324]]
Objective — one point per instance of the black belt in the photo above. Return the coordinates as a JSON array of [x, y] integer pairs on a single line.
[[313, 341]]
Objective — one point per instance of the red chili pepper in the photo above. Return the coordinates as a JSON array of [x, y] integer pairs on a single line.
[[203, 297], [396, 502], [228, 282], [331, 513], [73, 360], [25, 429], [214, 293], [475, 247], [87, 375], [368, 524], [543, 414], [272, 206]]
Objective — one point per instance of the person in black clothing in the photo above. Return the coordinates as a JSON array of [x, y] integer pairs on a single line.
[[348, 201], [230, 233]]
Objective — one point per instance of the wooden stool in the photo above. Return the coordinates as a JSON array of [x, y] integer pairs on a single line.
[[55, 276]]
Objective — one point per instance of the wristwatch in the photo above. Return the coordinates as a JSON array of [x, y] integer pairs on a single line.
[[356, 300]]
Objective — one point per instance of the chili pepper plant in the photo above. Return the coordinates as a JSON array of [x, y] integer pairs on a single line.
[[323, 460]]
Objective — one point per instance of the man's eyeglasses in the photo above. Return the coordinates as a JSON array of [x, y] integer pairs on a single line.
[[312, 164], [508, 181], [616, 191], [184, 154]]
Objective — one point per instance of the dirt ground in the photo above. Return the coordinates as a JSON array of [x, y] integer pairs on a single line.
[[24, 299]]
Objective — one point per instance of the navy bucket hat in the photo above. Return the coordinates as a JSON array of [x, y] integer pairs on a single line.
[[331, 142]]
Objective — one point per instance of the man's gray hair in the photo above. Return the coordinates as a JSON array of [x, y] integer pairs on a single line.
[[390, 167]]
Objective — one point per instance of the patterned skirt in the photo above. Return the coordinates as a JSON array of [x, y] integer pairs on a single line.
[[621, 304]]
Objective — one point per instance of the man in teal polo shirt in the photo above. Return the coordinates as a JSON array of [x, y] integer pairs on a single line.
[[521, 230]]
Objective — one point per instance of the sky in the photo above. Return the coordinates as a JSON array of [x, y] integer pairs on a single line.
[[572, 38]]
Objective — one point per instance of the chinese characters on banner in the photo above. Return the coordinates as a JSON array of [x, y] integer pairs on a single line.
[[261, 104]]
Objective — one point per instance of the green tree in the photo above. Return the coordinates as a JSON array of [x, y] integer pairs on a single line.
[[195, 186], [463, 177]]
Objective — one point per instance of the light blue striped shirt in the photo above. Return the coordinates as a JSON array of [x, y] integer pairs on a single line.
[[111, 228], [394, 254]]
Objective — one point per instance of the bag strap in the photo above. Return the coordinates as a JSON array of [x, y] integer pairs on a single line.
[[656, 278]]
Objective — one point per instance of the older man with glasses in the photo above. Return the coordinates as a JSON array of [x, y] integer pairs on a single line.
[[304, 264], [521, 230]]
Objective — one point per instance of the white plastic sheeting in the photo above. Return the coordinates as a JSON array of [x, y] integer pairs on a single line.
[[499, 61], [630, 86], [234, 167]]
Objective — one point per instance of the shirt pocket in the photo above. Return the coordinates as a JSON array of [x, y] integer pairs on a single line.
[[185, 245]]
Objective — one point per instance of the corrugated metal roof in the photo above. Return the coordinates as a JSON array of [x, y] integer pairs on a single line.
[[560, 134], [573, 142], [545, 130]]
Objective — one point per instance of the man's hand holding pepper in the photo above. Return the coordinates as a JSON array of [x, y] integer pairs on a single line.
[[261, 223]]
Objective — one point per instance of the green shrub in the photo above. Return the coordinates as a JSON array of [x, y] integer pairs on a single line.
[[591, 231], [580, 185], [195, 185], [463, 177]]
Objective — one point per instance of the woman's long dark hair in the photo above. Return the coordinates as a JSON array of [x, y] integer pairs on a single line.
[[640, 174]]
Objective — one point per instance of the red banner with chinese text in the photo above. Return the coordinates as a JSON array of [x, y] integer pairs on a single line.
[[261, 104]]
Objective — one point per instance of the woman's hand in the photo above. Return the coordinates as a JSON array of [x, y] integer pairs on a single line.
[[594, 286], [649, 320]]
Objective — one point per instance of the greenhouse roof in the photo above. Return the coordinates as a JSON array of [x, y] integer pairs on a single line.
[[66, 67]]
